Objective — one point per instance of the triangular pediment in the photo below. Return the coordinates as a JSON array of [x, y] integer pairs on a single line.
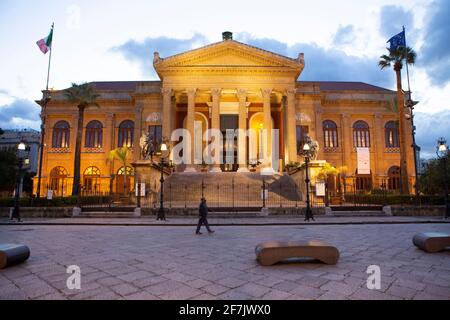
[[227, 54]]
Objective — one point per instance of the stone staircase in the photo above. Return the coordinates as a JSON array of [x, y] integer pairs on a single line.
[[230, 190]]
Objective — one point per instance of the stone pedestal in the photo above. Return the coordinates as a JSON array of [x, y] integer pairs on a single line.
[[145, 173], [315, 166]]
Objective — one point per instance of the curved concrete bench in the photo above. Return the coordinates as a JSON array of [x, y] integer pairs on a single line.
[[269, 253], [11, 254], [432, 241]]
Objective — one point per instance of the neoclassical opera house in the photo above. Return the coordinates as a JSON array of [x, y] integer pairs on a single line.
[[226, 85]]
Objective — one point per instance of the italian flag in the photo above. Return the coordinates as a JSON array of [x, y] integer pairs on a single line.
[[45, 44]]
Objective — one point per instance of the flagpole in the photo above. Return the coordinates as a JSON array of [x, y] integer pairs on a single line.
[[410, 105], [44, 107]]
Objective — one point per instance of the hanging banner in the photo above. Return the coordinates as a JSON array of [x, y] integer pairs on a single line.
[[363, 157], [320, 189]]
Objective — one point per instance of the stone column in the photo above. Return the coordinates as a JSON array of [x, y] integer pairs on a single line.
[[291, 138], [167, 112], [215, 118], [137, 132], [266, 93], [190, 127], [242, 137], [319, 131], [378, 142], [346, 139]]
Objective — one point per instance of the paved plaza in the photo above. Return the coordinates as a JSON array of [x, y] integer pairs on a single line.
[[170, 262]]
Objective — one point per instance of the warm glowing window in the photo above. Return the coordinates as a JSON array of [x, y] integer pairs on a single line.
[[61, 135], [330, 135], [126, 134], [58, 181], [361, 135], [391, 135], [94, 134]]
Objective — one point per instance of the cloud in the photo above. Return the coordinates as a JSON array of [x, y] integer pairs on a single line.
[[392, 20], [20, 113], [321, 64], [435, 53], [429, 128], [344, 35], [142, 52], [327, 64]]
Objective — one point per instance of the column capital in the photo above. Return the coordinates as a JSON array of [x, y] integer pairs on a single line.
[[191, 92], [241, 94], [138, 108], [109, 116], [291, 92], [378, 116], [216, 92], [167, 91], [266, 92]]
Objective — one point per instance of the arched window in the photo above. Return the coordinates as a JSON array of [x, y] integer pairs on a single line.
[[61, 135], [394, 178], [330, 135], [91, 179], [126, 134], [94, 134], [391, 135], [124, 184], [121, 171], [361, 135], [58, 181]]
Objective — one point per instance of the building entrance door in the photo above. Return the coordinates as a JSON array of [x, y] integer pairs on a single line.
[[228, 126]]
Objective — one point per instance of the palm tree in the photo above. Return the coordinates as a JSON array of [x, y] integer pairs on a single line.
[[396, 58], [121, 155], [83, 95]]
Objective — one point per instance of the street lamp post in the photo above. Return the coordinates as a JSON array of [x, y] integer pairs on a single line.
[[307, 155], [21, 148], [442, 153], [161, 214]]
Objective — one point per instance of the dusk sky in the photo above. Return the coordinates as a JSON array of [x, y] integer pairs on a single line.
[[115, 40]]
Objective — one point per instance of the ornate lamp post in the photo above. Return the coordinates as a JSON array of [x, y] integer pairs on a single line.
[[307, 155], [442, 153], [164, 154], [21, 149]]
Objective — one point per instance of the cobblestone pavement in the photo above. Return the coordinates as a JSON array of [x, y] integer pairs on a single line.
[[138, 262]]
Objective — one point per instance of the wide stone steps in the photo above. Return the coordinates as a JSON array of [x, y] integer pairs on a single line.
[[229, 188]]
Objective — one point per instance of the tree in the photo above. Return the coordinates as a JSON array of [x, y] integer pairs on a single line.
[[8, 169], [83, 95], [396, 59], [120, 154], [432, 178]]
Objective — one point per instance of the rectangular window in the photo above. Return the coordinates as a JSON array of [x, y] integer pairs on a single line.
[[156, 134], [302, 133]]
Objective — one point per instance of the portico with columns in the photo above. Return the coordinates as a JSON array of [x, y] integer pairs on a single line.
[[231, 85]]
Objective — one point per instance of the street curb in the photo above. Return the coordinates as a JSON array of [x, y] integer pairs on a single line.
[[221, 224]]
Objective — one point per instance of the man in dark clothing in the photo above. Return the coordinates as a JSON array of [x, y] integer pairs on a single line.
[[203, 213]]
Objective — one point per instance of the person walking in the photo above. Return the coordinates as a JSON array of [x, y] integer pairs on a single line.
[[203, 213]]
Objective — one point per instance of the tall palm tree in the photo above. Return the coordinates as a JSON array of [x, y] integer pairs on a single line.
[[121, 155], [397, 58], [83, 95]]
